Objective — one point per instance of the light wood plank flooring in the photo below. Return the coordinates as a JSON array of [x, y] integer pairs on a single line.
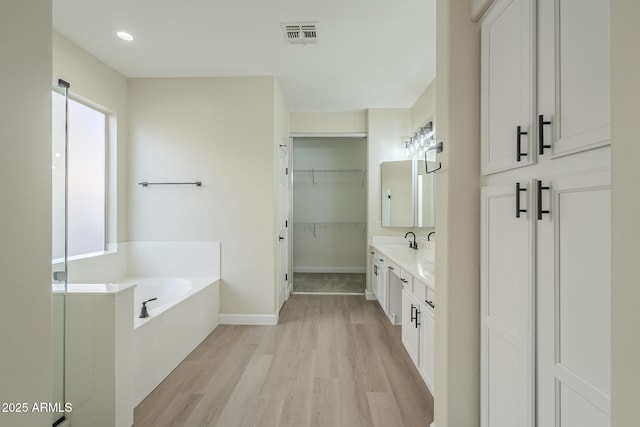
[[331, 361], [350, 283]]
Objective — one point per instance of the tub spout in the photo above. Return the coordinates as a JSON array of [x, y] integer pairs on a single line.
[[144, 313]]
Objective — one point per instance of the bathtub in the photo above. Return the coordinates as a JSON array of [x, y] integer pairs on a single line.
[[169, 291], [184, 314], [116, 358]]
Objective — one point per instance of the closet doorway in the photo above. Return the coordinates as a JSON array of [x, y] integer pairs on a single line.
[[329, 214]]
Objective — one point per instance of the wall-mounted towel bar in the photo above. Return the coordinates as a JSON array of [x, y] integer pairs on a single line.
[[146, 184]]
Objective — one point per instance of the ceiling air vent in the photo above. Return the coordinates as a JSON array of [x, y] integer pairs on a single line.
[[300, 32]]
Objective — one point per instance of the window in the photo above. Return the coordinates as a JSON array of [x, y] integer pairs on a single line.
[[86, 190]]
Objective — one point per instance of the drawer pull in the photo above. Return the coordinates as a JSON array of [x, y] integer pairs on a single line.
[[404, 280], [391, 268], [519, 153], [540, 210], [541, 144], [430, 303], [381, 259], [518, 191]]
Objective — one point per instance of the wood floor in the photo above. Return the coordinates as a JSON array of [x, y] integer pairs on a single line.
[[331, 361], [350, 283]]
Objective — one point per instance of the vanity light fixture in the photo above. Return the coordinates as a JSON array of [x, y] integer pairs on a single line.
[[421, 141], [124, 36]]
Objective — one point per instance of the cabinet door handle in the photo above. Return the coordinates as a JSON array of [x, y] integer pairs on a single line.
[[540, 210], [519, 153], [404, 280], [417, 316], [413, 316], [518, 190], [541, 124]]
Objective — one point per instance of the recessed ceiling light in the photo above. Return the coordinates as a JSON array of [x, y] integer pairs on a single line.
[[124, 36]]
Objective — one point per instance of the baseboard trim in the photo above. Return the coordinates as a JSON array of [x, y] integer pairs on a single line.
[[370, 296], [330, 270], [249, 319]]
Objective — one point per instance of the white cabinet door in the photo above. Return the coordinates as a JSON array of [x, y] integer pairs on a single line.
[[410, 326], [508, 52], [507, 307], [427, 347], [574, 302], [574, 75]]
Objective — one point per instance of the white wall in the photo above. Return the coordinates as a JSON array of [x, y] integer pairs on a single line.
[[424, 109], [25, 208], [458, 217], [625, 152], [96, 82], [219, 131], [340, 122]]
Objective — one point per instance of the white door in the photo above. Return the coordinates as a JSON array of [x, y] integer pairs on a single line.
[[283, 223], [507, 304], [574, 75], [507, 85], [574, 302]]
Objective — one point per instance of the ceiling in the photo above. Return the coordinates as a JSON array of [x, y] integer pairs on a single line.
[[369, 53]]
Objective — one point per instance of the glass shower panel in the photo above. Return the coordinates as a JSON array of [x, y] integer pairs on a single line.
[[58, 217]]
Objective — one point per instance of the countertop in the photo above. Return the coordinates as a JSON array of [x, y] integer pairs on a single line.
[[418, 263]]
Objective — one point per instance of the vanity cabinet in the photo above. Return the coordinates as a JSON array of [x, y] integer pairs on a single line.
[[411, 325], [379, 279], [394, 293], [545, 228], [418, 330], [427, 358], [406, 300]]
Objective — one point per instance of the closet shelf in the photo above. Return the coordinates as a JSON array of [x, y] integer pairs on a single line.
[[313, 173], [315, 226]]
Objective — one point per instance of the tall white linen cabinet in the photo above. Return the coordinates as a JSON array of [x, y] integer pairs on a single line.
[[546, 214]]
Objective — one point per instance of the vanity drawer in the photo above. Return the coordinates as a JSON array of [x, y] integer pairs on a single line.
[[419, 290], [393, 268], [430, 299], [407, 280]]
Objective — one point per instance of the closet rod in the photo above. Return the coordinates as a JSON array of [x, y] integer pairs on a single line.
[[146, 184]]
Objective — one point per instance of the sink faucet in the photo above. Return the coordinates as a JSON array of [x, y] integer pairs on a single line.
[[429, 236], [412, 245]]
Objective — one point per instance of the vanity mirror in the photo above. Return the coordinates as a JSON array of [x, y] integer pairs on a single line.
[[408, 194]]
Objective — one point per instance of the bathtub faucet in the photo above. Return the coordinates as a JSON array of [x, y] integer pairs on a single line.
[[144, 313]]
